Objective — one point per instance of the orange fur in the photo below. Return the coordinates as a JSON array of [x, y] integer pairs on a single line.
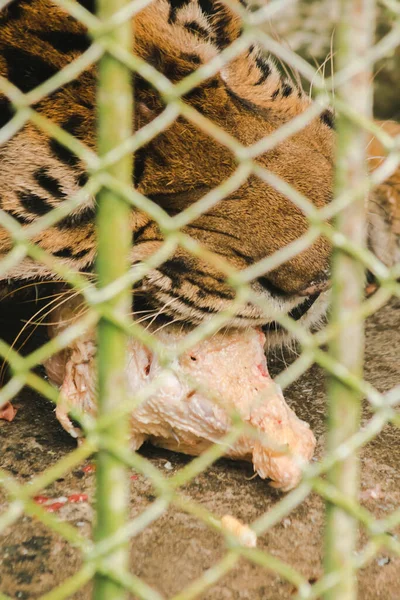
[[248, 98]]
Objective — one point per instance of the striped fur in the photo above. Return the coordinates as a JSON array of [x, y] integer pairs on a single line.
[[248, 98]]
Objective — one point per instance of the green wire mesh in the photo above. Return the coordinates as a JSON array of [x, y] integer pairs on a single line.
[[105, 558]]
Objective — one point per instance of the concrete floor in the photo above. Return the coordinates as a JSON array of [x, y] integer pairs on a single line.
[[176, 548]]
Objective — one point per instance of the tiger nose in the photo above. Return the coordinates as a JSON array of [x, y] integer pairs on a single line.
[[312, 288]]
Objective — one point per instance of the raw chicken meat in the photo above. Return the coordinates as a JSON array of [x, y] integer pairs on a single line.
[[180, 417], [244, 535], [7, 412]]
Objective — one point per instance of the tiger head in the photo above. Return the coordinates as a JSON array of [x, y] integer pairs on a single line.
[[246, 98], [249, 100]]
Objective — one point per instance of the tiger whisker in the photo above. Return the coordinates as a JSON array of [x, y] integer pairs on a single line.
[[160, 312], [177, 320]]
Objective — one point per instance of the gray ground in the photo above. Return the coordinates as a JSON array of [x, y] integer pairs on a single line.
[[176, 549]]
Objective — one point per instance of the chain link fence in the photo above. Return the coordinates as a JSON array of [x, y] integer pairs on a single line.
[[105, 558]]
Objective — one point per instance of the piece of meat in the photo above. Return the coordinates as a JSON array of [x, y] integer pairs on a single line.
[[244, 535], [7, 412], [180, 417]]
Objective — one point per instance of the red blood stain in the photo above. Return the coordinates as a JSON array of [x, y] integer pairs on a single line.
[[73, 498], [261, 336], [263, 369], [54, 507], [89, 468], [41, 499]]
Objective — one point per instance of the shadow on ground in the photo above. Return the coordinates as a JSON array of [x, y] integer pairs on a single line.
[[175, 549]]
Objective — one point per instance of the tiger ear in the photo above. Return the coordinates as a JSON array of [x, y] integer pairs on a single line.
[[226, 23], [213, 19], [253, 74]]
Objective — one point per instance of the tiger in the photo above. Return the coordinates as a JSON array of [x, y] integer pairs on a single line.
[[249, 98]]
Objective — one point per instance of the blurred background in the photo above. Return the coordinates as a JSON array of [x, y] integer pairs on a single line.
[[307, 28]]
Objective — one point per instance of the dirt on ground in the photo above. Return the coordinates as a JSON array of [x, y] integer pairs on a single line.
[[177, 548]]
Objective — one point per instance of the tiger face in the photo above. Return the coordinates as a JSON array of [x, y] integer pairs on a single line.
[[248, 98]]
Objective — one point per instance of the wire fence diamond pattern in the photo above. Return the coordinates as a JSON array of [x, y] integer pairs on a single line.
[[106, 558]]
